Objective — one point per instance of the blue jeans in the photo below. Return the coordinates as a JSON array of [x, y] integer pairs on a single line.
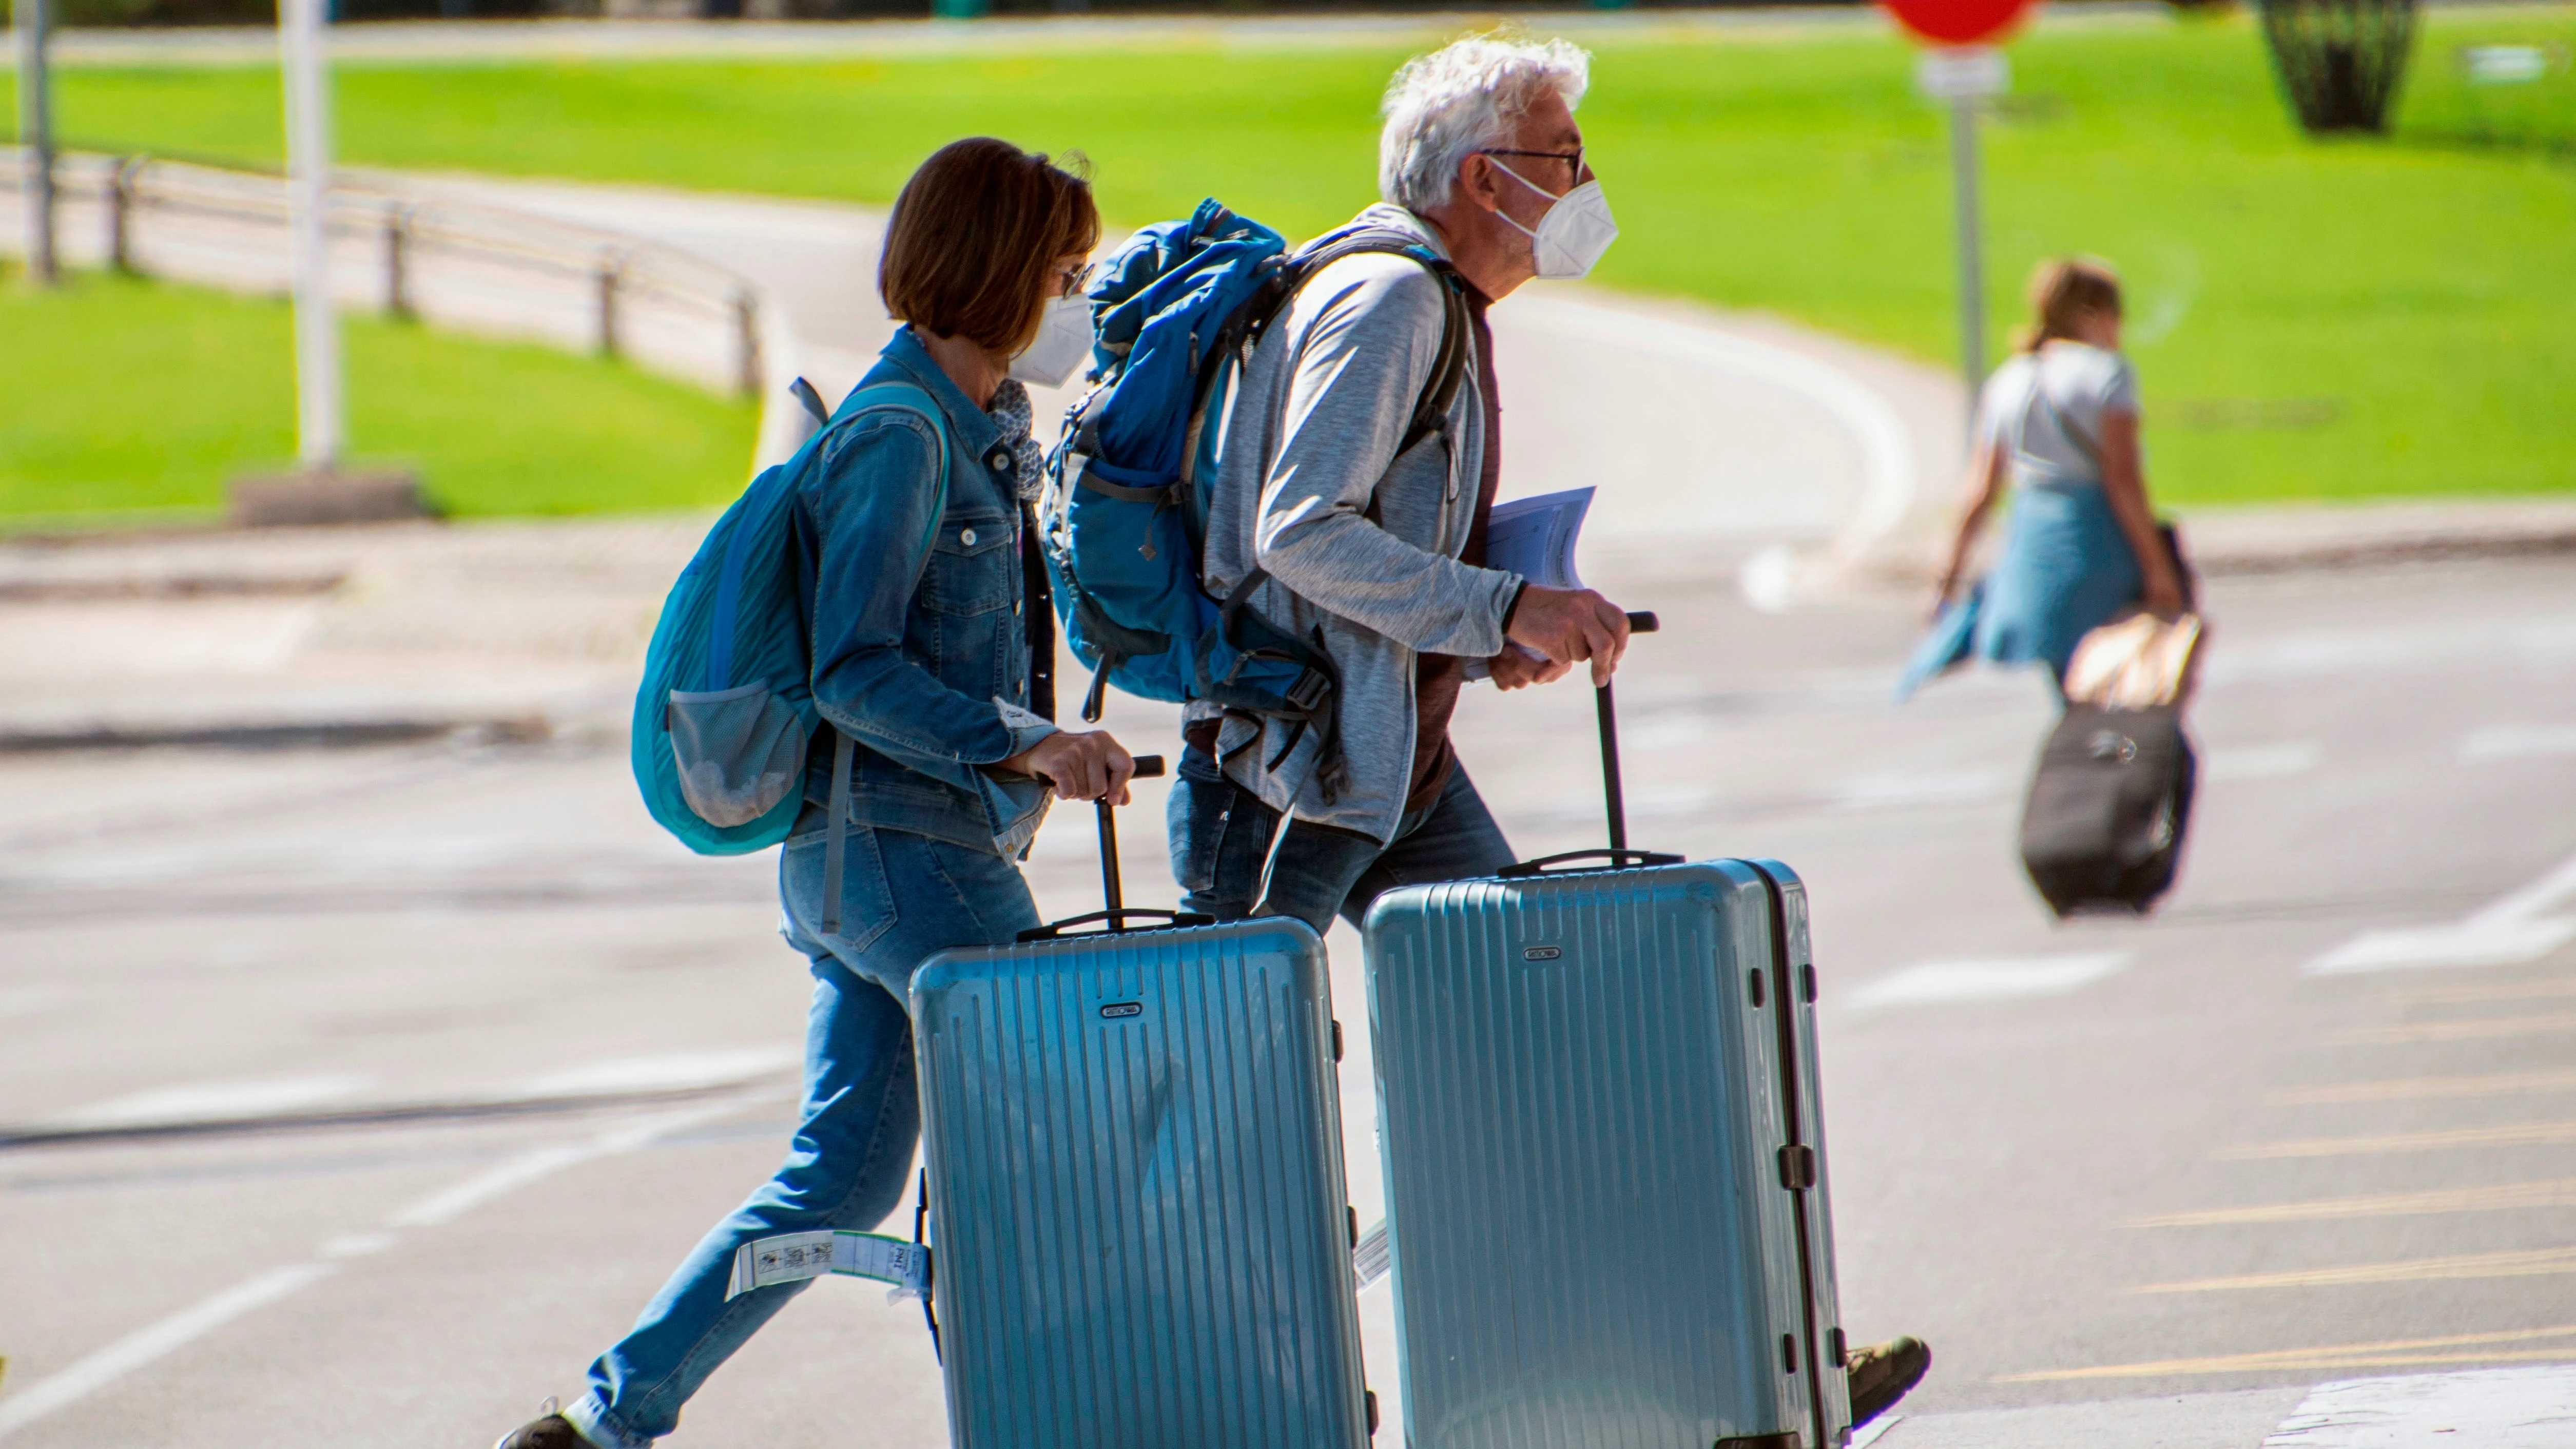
[[1221, 841], [904, 898]]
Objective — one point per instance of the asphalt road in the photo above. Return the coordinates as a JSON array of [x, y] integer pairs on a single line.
[[2170, 1165]]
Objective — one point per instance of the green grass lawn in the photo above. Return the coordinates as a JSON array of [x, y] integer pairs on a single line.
[[2333, 320], [118, 394]]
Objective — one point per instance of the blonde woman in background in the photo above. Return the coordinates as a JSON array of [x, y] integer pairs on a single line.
[[2059, 421]]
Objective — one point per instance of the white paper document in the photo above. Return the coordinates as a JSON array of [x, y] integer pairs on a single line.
[[1535, 538]]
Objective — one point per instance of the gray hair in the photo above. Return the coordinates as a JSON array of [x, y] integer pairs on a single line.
[[1463, 98]]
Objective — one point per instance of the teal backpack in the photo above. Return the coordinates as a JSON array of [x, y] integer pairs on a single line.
[[726, 708]]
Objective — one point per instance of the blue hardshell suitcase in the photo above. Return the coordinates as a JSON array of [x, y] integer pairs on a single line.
[[1134, 1152], [1604, 1155]]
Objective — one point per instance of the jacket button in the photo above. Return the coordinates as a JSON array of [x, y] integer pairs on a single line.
[[966, 536], [1000, 460]]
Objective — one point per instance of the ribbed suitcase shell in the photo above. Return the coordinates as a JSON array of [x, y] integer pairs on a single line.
[[1583, 1118], [1142, 1235]]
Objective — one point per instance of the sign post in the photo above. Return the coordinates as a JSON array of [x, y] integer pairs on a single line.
[[36, 136], [1962, 69], [1964, 75], [308, 163]]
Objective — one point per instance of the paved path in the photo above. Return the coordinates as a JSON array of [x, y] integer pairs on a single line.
[[1735, 432], [1730, 431], [2143, 1184]]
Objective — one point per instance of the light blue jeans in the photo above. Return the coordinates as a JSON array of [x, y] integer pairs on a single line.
[[904, 898]]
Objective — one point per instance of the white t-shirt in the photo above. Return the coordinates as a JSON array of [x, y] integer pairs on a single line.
[[2047, 408]]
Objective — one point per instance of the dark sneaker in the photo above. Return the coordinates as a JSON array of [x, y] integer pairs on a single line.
[[1880, 1375], [551, 1431]]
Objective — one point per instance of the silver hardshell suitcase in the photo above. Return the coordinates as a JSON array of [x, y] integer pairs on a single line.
[[1604, 1155], [1134, 1151]]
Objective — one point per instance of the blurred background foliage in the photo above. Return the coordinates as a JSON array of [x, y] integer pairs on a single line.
[[2313, 320]]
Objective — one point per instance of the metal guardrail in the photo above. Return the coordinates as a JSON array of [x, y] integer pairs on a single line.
[[621, 270]]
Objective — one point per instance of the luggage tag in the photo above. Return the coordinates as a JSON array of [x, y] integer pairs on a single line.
[[794, 1257]]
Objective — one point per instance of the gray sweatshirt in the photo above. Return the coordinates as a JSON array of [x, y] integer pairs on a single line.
[[1309, 451]]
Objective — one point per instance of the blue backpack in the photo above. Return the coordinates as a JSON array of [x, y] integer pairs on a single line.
[[726, 708], [1177, 312]]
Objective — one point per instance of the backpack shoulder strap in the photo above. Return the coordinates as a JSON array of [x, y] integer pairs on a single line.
[[882, 397], [1449, 371]]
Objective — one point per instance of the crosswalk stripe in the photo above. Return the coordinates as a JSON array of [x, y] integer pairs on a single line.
[[2561, 1193], [2491, 1408], [2408, 1089], [2527, 1134], [2533, 1263], [2482, 1028], [2333, 1356]]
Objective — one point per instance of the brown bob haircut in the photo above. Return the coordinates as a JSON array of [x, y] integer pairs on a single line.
[[971, 249], [2062, 292]]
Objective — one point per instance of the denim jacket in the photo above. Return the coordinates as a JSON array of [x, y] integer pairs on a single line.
[[921, 653]]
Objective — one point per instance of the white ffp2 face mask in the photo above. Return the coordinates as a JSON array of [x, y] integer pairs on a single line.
[[1063, 341], [1573, 234]]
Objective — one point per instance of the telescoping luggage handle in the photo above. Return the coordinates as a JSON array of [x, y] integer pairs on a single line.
[[1116, 917], [1618, 856]]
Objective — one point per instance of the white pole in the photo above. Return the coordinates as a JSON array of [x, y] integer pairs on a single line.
[[36, 137], [1972, 264], [1962, 75], [308, 162]]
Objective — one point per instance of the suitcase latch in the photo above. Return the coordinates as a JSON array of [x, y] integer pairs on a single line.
[[1797, 1167]]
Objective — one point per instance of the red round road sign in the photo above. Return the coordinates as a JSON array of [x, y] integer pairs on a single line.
[[1957, 22]]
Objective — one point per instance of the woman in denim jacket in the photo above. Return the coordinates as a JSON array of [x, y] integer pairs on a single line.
[[922, 655]]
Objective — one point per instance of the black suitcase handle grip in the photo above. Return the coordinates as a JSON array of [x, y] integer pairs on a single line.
[[1117, 922], [1643, 621], [1148, 766], [1618, 859]]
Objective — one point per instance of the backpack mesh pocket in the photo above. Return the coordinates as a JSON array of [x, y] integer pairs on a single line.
[[740, 751]]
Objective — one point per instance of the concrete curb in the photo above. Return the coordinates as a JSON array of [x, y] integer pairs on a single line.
[[2225, 542], [2246, 542]]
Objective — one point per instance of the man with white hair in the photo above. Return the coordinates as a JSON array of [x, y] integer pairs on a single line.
[[1359, 465]]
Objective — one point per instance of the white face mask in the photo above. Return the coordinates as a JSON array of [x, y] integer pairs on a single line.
[[1573, 234], [1063, 342]]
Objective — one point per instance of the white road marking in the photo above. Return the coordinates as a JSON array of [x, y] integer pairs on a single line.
[[358, 1245], [2505, 932], [451, 1203], [2512, 1408], [1897, 788], [214, 1101], [2263, 762], [1867, 1434], [2510, 742], [2000, 979], [87, 1376], [33, 1000], [670, 1072], [483, 1187]]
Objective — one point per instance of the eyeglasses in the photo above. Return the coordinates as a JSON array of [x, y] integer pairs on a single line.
[[1077, 280], [1574, 158]]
